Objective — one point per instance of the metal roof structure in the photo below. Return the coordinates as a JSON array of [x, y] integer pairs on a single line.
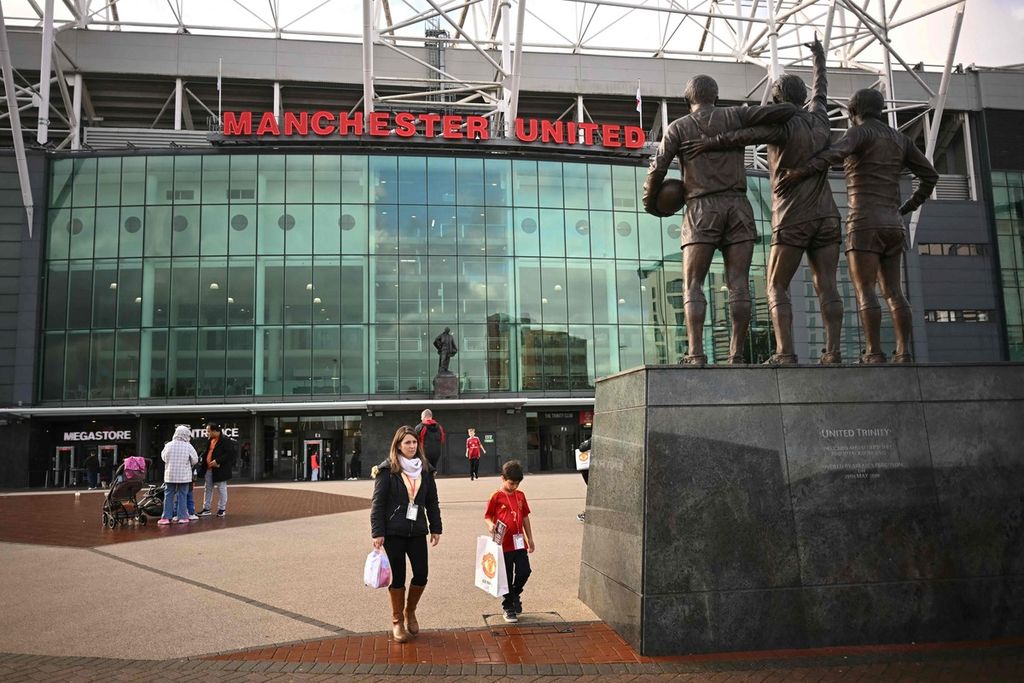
[[490, 38]]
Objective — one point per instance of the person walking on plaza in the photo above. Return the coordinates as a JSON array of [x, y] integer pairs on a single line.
[[473, 450], [508, 506], [179, 458], [215, 468], [355, 466], [404, 510], [314, 466], [92, 470], [432, 438]]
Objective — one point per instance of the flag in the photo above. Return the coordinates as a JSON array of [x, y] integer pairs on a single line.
[[639, 103]]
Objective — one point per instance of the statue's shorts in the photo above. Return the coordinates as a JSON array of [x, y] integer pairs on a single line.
[[883, 241], [809, 235], [718, 219]]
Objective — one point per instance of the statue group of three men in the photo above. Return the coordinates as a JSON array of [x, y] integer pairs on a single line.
[[709, 142]]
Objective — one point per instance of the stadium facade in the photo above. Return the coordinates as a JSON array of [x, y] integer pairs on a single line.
[[287, 277]]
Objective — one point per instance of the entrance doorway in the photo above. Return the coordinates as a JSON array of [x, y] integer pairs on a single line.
[[291, 442], [552, 438]]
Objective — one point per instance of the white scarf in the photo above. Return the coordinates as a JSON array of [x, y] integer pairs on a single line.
[[411, 466]]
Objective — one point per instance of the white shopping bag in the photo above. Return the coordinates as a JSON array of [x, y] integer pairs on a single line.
[[377, 570], [490, 567], [582, 460]]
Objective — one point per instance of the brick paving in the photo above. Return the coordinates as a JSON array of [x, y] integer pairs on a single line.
[[74, 521]]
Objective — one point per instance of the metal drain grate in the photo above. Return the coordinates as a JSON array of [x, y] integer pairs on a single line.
[[530, 623]]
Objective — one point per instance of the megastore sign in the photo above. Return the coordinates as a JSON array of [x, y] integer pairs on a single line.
[[382, 124]]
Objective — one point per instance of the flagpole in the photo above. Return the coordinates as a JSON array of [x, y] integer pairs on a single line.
[[639, 103], [220, 71]]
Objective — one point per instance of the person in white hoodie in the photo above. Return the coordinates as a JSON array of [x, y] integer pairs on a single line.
[[179, 458]]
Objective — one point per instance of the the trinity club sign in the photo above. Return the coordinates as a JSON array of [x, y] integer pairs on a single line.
[[404, 124]]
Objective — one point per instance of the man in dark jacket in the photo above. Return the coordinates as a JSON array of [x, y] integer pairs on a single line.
[[216, 460], [432, 438]]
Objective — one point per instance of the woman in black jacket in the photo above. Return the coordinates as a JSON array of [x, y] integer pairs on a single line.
[[404, 509]]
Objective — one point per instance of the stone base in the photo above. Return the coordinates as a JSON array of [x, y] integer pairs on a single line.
[[766, 508], [446, 386]]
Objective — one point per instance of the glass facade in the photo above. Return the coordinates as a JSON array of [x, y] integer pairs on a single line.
[[1008, 206], [300, 275]]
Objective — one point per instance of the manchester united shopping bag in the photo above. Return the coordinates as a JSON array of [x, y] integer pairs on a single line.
[[490, 567]]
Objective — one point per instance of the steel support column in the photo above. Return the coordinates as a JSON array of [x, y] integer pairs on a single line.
[[368, 38], [19, 141], [45, 55]]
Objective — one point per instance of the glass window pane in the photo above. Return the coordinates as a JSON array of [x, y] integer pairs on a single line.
[[216, 179], [384, 340], [273, 223], [104, 294], [385, 229], [298, 346], [108, 182], [441, 179], [326, 179], [628, 290], [412, 180], [185, 231], [243, 178], [353, 284], [626, 242], [159, 179], [107, 220], [416, 368], [58, 239], [242, 288], [80, 295], [650, 237], [270, 286], [500, 290], [599, 182], [214, 233], [631, 346], [76, 367], [60, 183], [577, 234], [129, 293], [624, 188], [443, 230], [101, 366], [211, 365], [242, 229], [353, 360], [213, 291], [355, 176], [555, 340], [528, 290], [472, 288], [188, 179], [576, 189], [153, 364], [655, 345], [327, 290], [327, 229], [158, 231], [412, 229], [498, 182], [270, 180], [471, 230], [606, 350], [384, 180], [578, 291], [181, 365], [299, 187], [524, 175], [499, 231], [553, 290], [355, 229], [133, 180], [412, 288], [603, 287], [473, 359], [298, 239], [132, 222], [52, 385], [385, 289], [443, 293], [184, 301], [84, 179], [549, 181], [526, 227], [156, 278], [299, 291], [238, 374], [326, 378], [602, 235], [470, 179], [82, 230], [56, 296]]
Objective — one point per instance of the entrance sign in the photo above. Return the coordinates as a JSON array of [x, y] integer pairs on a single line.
[[403, 124]]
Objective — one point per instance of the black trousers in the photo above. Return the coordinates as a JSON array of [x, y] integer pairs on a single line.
[[474, 468], [517, 569], [415, 547]]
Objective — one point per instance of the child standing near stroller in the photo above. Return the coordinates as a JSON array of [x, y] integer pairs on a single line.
[[179, 458]]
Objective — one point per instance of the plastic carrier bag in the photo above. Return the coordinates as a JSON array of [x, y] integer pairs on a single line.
[[490, 567], [377, 570]]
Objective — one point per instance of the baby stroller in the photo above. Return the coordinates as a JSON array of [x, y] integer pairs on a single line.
[[152, 503], [120, 505]]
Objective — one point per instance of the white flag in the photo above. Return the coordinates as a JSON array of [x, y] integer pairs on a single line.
[[639, 101]]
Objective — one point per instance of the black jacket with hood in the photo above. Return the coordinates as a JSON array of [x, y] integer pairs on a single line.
[[391, 500]]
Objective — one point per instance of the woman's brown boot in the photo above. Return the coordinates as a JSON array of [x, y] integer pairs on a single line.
[[397, 596], [411, 624]]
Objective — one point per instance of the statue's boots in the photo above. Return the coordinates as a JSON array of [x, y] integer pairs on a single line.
[[781, 359]]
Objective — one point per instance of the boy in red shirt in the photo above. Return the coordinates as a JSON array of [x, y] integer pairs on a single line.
[[508, 505], [473, 450]]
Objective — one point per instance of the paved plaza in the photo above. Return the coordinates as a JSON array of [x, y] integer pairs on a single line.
[[274, 591]]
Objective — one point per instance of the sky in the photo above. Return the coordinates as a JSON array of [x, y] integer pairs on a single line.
[[992, 35]]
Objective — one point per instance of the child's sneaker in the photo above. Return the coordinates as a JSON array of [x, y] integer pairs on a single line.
[[221, 513], [517, 607], [163, 522], [193, 517], [182, 520], [510, 616]]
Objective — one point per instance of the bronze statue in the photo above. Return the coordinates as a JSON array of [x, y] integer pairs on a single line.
[[806, 220], [718, 214], [875, 156], [446, 348]]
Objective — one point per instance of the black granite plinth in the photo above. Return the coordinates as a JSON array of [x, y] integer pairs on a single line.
[[764, 508], [446, 386]]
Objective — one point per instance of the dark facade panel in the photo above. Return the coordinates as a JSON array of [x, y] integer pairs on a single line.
[[1005, 138]]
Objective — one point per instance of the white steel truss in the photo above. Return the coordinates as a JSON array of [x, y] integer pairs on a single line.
[[419, 37]]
